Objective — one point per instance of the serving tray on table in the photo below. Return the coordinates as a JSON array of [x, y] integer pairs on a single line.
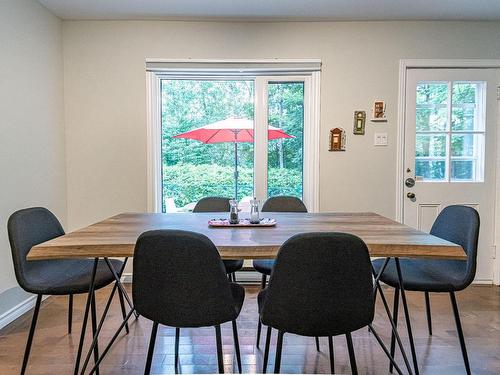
[[224, 223]]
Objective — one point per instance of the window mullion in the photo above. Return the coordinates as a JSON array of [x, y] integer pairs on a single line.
[[260, 138]]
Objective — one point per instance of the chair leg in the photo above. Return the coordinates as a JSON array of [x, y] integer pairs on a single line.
[[332, 356], [460, 332], [237, 345], [176, 360], [317, 343], [352, 356], [31, 333], [122, 305], [259, 325], [428, 309], [279, 348], [70, 313], [220, 359], [395, 313], [234, 277], [266, 350], [94, 329], [151, 348], [407, 317]]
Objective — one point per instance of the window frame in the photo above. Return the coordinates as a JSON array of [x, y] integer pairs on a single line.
[[311, 144], [480, 117]]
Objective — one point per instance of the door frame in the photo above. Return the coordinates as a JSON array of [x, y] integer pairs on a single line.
[[404, 66], [205, 71]]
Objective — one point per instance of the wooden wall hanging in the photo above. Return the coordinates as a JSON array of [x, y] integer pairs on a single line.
[[337, 139]]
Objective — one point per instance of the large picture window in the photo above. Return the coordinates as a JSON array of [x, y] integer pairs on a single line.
[[231, 135]]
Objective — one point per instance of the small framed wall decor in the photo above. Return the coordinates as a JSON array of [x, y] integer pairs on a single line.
[[379, 111], [337, 139], [359, 122]]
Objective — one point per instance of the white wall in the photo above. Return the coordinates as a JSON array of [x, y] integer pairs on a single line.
[[32, 156], [105, 97]]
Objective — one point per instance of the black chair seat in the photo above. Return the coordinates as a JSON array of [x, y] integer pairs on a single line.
[[233, 265], [425, 275], [264, 266], [62, 277]]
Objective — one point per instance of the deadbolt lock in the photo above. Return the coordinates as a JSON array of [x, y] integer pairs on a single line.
[[411, 195]]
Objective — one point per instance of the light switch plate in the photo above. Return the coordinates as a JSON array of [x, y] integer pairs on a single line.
[[380, 139]]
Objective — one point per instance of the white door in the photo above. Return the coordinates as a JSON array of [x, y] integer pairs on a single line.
[[450, 149]]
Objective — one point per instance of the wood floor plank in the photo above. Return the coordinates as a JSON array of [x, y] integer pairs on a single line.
[[54, 350]]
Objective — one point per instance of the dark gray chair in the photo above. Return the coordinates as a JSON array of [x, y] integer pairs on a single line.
[[321, 285], [457, 224], [179, 281], [32, 226], [265, 266], [220, 204]]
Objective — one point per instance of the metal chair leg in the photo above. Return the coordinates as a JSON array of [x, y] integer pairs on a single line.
[[70, 313], [236, 345], [395, 313], [266, 350], [94, 330], [31, 333], [332, 356], [176, 360], [317, 343], [259, 325], [122, 305], [220, 359], [352, 356], [428, 309], [460, 332], [407, 317], [279, 348], [151, 349]]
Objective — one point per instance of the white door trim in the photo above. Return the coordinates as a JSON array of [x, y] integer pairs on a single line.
[[404, 66]]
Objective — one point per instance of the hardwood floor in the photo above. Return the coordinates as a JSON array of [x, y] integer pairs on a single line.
[[54, 350]]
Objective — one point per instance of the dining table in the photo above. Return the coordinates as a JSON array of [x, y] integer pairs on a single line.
[[116, 237]]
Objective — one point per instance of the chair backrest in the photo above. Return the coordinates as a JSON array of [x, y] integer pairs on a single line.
[[321, 285], [179, 280], [212, 204], [26, 228], [283, 204], [460, 225]]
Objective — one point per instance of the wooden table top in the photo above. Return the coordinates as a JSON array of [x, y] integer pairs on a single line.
[[116, 236]]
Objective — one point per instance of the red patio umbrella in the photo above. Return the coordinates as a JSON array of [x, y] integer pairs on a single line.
[[234, 130]]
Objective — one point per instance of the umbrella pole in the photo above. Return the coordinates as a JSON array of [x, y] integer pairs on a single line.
[[235, 171]]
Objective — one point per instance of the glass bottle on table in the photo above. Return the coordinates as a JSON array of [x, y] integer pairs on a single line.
[[233, 212], [254, 211]]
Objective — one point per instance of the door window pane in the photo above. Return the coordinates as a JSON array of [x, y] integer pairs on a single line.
[[201, 120], [430, 169], [463, 119], [462, 170], [430, 145], [432, 93], [431, 119], [286, 138]]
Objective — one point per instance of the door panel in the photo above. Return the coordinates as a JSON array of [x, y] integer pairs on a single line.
[[450, 149]]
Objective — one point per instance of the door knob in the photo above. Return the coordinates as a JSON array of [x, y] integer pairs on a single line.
[[410, 182], [411, 195]]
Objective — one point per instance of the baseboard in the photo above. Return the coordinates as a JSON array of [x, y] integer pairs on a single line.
[[249, 276], [18, 310]]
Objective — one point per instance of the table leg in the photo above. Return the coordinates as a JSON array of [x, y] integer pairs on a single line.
[[85, 316], [388, 312], [119, 285], [407, 316]]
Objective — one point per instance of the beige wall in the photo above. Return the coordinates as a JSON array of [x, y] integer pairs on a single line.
[[105, 97], [32, 157]]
